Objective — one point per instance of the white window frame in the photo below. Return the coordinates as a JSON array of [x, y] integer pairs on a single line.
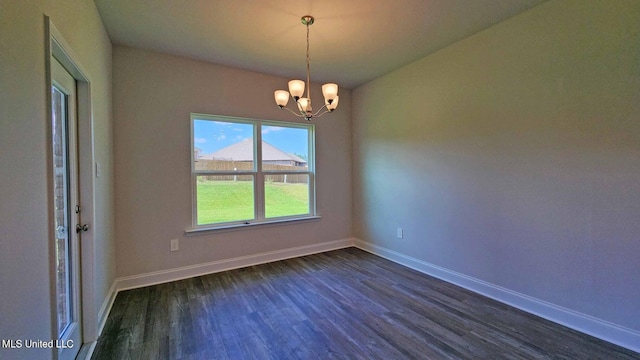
[[257, 172]]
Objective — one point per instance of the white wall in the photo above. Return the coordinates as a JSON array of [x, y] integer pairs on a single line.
[[513, 157], [25, 278], [153, 97]]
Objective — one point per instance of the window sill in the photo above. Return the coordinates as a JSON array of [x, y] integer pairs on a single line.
[[202, 230]]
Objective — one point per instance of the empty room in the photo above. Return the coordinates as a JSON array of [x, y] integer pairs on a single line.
[[465, 183]]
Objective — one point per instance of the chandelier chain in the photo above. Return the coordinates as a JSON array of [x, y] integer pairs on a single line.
[[308, 65]]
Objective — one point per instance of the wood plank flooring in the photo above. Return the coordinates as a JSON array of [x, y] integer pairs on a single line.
[[343, 304]]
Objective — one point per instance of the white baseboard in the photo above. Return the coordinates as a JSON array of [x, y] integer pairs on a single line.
[[105, 309], [587, 324], [87, 348], [158, 277]]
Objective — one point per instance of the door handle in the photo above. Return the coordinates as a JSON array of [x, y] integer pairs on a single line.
[[84, 227]]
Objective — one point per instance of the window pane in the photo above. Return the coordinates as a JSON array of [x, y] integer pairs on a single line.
[[61, 215], [222, 145], [286, 195], [285, 148], [224, 198]]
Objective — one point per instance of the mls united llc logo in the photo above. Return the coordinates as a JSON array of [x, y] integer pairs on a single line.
[[37, 344]]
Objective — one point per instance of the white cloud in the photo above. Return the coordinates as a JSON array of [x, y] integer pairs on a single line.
[[200, 140], [268, 129]]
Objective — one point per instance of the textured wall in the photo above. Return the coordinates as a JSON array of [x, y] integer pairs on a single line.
[[513, 157]]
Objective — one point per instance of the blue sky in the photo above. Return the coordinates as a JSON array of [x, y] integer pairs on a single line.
[[211, 136]]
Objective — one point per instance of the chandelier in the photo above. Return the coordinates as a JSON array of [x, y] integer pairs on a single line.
[[296, 90]]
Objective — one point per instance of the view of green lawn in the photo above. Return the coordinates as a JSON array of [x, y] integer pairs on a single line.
[[224, 201]]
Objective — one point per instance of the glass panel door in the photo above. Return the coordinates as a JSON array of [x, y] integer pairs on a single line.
[[66, 212], [61, 191]]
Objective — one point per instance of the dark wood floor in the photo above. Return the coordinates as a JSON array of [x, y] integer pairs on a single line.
[[344, 304]]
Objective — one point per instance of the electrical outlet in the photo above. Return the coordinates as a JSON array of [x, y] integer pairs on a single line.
[[175, 246], [400, 233]]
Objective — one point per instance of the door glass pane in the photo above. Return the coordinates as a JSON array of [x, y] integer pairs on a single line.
[[285, 148], [224, 198], [223, 146], [61, 216], [286, 195]]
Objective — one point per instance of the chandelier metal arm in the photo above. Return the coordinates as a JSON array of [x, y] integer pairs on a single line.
[[318, 114], [298, 114], [322, 113], [306, 115]]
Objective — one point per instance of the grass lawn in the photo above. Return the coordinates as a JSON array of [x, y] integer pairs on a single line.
[[223, 201]]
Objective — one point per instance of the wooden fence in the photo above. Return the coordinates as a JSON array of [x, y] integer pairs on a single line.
[[222, 165]]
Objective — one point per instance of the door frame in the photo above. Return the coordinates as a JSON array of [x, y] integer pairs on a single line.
[[56, 47], [65, 86]]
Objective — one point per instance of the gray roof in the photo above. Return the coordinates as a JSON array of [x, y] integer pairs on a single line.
[[243, 151]]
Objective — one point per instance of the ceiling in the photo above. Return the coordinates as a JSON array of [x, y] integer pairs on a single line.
[[352, 41]]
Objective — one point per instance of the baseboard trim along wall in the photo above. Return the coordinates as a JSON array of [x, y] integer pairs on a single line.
[[601, 329], [103, 314], [105, 309], [158, 277]]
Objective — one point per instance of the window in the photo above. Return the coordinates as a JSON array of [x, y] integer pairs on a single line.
[[248, 171]]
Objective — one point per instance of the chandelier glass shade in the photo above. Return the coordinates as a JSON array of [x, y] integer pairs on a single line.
[[297, 88]]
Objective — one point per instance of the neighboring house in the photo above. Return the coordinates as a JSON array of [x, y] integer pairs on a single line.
[[243, 152]]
